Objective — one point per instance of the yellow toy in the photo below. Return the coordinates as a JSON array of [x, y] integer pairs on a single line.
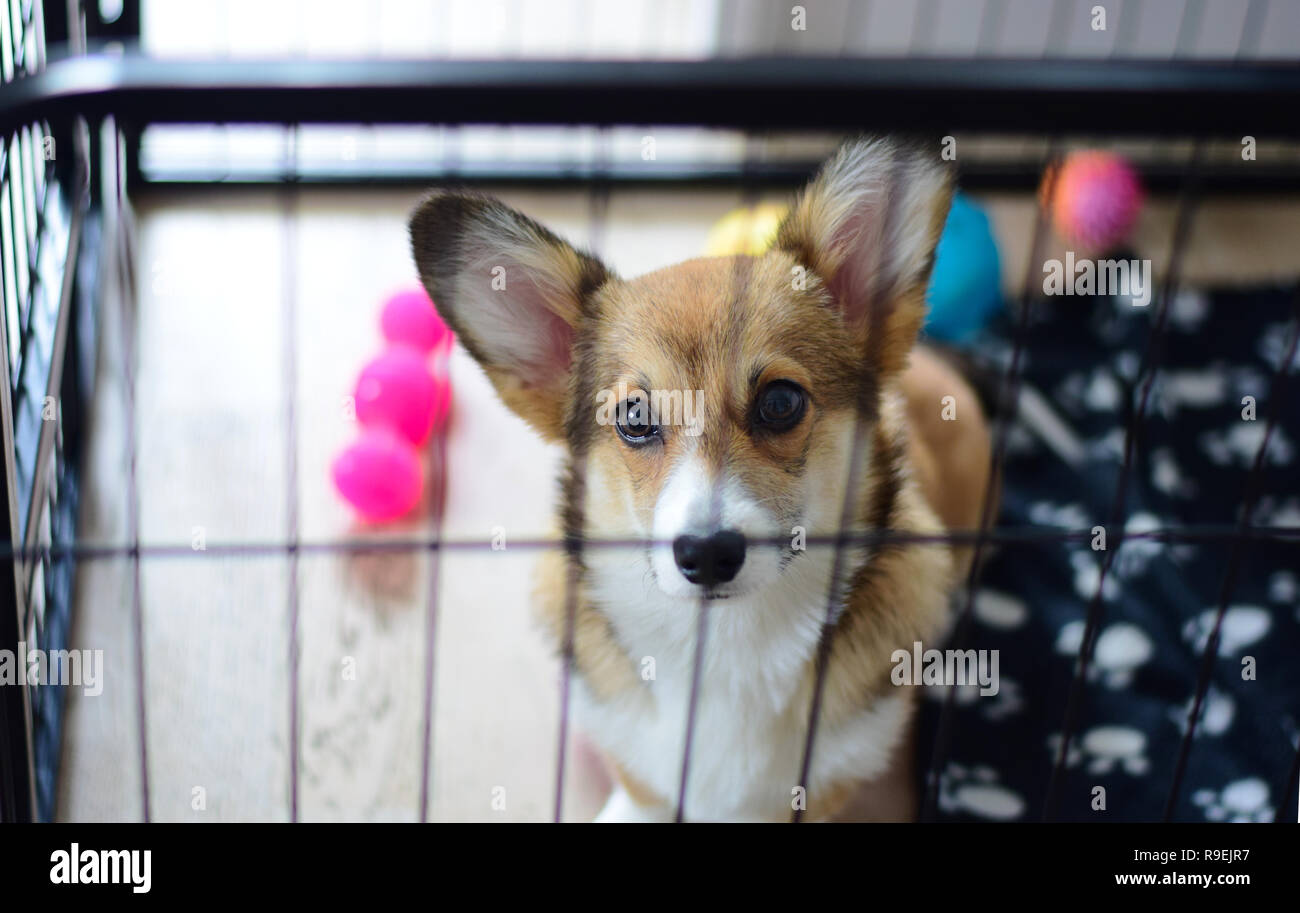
[[747, 230]]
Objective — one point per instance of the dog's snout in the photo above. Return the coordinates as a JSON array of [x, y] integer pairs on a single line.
[[710, 560]]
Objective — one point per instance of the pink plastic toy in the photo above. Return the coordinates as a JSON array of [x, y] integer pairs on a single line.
[[401, 398], [379, 475], [409, 317], [1095, 198], [397, 390]]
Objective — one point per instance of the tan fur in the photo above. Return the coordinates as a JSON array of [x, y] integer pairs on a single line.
[[950, 459], [704, 342], [597, 656], [891, 797], [949, 462]]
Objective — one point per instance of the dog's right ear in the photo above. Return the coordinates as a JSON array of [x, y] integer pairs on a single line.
[[513, 292], [868, 225]]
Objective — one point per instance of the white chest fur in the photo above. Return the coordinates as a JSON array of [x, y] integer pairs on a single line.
[[751, 709]]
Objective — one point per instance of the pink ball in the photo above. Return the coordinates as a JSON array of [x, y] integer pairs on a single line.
[[1095, 198], [379, 475], [396, 390], [410, 318]]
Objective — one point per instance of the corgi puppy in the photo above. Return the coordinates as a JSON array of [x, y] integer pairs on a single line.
[[811, 413]]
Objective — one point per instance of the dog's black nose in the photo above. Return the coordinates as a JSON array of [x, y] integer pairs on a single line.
[[710, 560]]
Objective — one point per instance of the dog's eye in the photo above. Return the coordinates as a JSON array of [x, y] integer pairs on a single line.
[[781, 405], [635, 424]]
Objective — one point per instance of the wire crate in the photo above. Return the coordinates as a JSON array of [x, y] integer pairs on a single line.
[[86, 131]]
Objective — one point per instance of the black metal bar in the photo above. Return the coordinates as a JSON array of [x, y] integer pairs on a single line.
[[1145, 380], [1008, 401], [1113, 97], [17, 778], [755, 145], [700, 652], [124, 30], [1289, 786], [289, 317], [571, 582], [437, 508], [1249, 498], [575, 539], [49, 203], [1235, 179], [850, 506], [93, 551], [54, 378], [126, 303], [17, 773], [692, 702]]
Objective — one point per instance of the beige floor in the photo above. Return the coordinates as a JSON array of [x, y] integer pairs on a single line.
[[210, 394], [211, 437]]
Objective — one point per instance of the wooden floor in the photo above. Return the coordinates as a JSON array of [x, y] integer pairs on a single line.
[[215, 271]]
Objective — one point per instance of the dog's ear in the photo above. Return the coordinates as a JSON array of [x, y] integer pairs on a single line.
[[512, 291], [867, 226]]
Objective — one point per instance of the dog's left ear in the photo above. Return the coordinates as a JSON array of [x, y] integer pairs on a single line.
[[867, 226], [513, 292]]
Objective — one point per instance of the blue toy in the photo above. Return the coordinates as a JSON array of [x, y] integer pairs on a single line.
[[966, 283]]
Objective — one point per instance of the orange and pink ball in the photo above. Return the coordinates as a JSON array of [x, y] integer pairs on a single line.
[[1094, 198]]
